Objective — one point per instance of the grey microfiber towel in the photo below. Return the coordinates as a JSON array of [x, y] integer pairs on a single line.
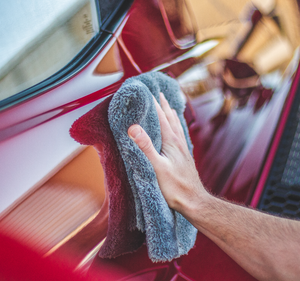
[[122, 236], [168, 234]]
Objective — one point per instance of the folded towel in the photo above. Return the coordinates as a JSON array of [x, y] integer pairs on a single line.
[[122, 235], [168, 234]]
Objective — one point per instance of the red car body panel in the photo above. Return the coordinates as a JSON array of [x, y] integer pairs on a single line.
[[232, 153]]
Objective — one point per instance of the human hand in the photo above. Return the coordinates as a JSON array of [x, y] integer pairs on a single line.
[[175, 168]]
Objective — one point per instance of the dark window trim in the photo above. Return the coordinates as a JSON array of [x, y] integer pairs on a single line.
[[88, 52]]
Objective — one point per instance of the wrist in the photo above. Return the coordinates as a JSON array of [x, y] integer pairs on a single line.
[[195, 207]]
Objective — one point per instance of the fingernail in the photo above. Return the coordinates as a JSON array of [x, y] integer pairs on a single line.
[[134, 132]]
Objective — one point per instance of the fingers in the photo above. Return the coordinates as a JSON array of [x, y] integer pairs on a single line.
[[168, 111], [141, 138], [178, 130], [172, 117], [166, 130], [171, 130]]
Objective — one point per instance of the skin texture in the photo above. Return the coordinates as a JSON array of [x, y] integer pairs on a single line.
[[266, 246]]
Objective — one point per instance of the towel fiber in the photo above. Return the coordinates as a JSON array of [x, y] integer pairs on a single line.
[[122, 235], [168, 234]]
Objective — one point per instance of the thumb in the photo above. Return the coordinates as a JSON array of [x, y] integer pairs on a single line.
[[141, 138]]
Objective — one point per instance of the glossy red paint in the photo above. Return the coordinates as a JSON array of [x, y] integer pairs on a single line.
[[156, 47], [180, 43], [244, 177], [56, 112], [230, 146], [206, 261], [133, 265], [141, 49], [18, 262], [87, 87]]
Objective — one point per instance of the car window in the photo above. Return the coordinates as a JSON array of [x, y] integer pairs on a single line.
[[38, 38], [107, 8]]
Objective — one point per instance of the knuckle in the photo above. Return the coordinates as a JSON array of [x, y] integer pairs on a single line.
[[165, 105], [164, 100], [180, 143], [145, 145], [176, 140], [174, 113]]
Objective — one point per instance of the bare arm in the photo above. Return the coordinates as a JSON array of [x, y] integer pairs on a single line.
[[266, 246]]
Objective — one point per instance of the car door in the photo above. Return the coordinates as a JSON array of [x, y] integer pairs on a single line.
[[237, 69], [65, 58]]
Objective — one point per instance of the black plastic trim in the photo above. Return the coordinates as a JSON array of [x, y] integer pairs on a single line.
[[78, 62], [279, 197]]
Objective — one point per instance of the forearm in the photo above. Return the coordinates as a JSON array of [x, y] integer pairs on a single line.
[[264, 245]]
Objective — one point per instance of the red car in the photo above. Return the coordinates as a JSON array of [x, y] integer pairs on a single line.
[[238, 65]]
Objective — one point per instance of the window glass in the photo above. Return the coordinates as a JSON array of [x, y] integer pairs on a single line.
[[107, 8], [38, 38]]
